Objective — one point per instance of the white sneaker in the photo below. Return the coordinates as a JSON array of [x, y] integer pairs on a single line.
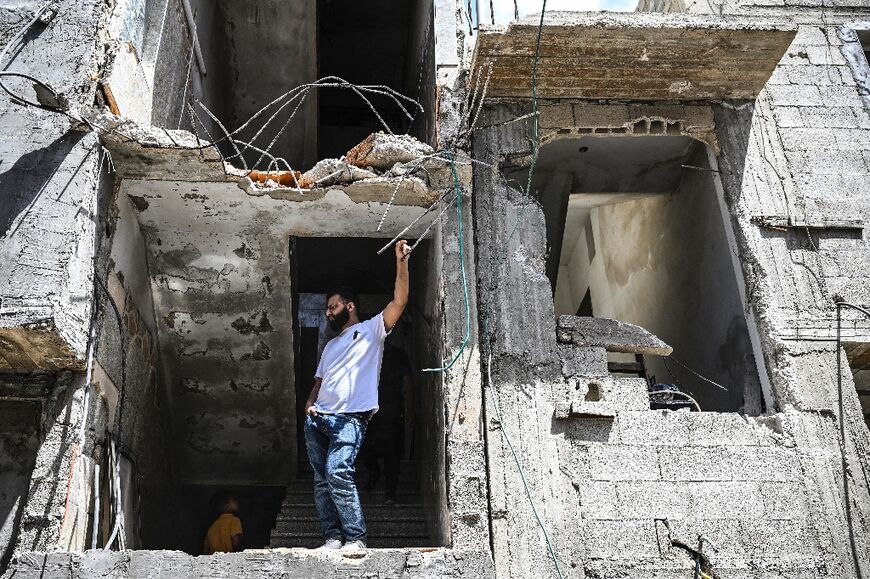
[[332, 544], [354, 549]]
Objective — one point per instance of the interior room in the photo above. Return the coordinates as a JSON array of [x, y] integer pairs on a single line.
[[635, 232]]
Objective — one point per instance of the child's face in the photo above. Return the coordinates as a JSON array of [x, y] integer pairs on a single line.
[[232, 506]]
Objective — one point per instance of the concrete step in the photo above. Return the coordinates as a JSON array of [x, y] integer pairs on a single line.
[[407, 486], [409, 466], [383, 512], [314, 540], [375, 528], [306, 496]]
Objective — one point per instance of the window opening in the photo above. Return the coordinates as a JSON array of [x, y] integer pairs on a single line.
[[635, 233]]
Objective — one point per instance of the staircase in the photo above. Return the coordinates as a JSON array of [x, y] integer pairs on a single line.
[[401, 524]]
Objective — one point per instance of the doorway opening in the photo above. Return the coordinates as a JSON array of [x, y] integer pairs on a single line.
[[636, 232], [322, 264]]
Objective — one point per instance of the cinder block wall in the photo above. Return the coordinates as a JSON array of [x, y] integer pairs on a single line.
[[633, 494]]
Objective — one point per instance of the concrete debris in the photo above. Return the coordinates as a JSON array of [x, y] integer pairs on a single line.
[[381, 151], [333, 171], [612, 335]]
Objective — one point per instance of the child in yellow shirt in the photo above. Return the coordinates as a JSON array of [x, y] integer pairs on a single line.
[[225, 534]]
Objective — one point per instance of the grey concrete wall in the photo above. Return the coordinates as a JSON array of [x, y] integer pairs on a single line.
[[19, 439], [127, 379], [429, 394], [713, 474], [257, 79], [420, 69], [47, 179]]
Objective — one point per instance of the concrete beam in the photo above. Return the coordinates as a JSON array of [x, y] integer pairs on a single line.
[[612, 335], [634, 56]]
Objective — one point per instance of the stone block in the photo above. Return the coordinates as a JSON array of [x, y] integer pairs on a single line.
[[824, 55], [841, 96], [778, 539], [726, 500], [556, 116], [598, 500], [726, 535], [726, 429], [621, 539], [652, 500], [612, 335], [584, 409], [595, 115], [782, 500], [824, 117], [696, 117], [810, 36], [788, 116], [628, 393], [653, 428], [720, 463], [795, 95], [802, 139], [779, 76], [579, 361], [818, 75], [623, 463]]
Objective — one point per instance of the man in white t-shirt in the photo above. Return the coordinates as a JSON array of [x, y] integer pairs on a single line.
[[344, 397]]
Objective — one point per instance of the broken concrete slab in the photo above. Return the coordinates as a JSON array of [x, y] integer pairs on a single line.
[[149, 152], [333, 171], [381, 151], [634, 56], [405, 192], [612, 335]]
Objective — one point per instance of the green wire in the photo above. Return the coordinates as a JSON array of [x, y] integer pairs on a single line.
[[551, 550], [467, 337]]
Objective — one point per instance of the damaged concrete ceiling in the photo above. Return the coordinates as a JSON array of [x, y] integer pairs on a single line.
[[218, 252], [632, 56]]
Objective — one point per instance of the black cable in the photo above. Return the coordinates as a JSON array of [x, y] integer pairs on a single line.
[[59, 100]]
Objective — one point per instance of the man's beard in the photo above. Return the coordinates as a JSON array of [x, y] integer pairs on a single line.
[[339, 320]]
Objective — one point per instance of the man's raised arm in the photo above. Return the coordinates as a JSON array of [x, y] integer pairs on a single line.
[[394, 309]]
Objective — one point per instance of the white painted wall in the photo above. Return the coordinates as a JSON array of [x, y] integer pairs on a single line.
[[663, 262]]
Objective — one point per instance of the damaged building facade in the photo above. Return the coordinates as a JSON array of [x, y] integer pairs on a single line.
[[632, 232]]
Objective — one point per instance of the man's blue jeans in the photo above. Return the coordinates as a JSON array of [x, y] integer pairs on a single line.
[[333, 441]]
